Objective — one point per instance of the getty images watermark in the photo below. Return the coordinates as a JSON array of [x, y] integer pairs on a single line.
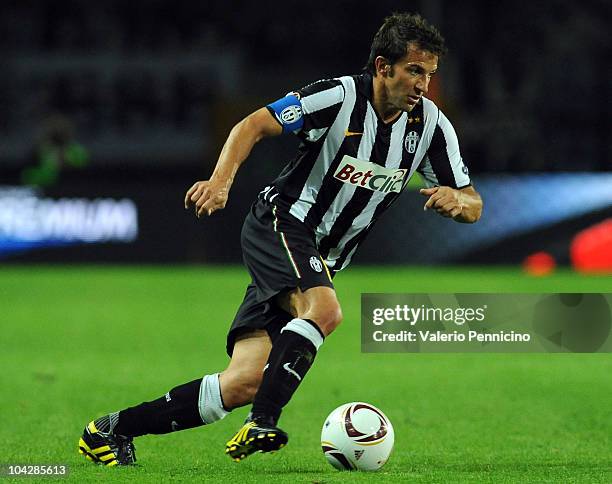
[[493, 323]]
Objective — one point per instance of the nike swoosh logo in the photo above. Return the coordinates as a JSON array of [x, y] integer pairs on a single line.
[[292, 371], [351, 133]]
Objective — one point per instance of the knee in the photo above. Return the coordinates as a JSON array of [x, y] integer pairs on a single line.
[[328, 318], [238, 388]]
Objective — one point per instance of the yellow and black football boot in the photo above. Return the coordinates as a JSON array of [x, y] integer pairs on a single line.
[[255, 436], [100, 445]]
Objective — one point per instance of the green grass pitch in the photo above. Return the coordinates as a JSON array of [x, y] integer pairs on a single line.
[[78, 342]]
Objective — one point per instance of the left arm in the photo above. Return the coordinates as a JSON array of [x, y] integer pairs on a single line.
[[450, 191]]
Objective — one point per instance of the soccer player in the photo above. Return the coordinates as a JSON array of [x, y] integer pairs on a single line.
[[362, 137]]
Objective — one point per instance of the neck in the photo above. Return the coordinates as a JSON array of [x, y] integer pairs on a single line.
[[387, 112]]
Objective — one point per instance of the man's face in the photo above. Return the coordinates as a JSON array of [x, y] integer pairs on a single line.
[[408, 79]]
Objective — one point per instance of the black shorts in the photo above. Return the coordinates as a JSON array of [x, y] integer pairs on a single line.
[[280, 254]]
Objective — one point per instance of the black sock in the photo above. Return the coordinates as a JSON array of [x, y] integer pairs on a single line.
[[176, 410], [290, 359]]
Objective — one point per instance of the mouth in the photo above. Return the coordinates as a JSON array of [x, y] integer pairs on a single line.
[[412, 100]]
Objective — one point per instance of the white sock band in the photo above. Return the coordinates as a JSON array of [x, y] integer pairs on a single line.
[[210, 403], [305, 329]]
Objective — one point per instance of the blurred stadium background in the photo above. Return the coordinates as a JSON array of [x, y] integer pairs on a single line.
[[111, 110]]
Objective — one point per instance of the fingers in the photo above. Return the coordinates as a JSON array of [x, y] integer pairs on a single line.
[[430, 202], [450, 209], [206, 207], [195, 192], [433, 199], [445, 201], [211, 206], [428, 191], [456, 211], [208, 203], [206, 198], [189, 193], [202, 199]]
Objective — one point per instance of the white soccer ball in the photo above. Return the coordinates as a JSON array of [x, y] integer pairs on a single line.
[[357, 436]]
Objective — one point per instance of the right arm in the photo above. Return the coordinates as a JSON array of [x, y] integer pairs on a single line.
[[211, 195]]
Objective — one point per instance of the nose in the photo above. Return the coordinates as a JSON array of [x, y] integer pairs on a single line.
[[422, 85]]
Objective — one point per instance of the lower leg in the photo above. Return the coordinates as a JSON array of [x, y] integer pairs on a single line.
[[290, 359], [316, 314], [199, 402], [186, 406]]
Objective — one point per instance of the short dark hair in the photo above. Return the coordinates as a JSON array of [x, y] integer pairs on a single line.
[[391, 40]]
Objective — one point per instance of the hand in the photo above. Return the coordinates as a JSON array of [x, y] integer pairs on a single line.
[[447, 201], [208, 196]]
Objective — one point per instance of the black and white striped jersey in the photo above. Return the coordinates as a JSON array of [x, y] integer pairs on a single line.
[[350, 166]]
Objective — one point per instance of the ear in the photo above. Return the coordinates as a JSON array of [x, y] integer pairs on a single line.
[[382, 66]]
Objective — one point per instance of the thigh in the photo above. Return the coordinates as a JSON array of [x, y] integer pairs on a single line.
[[255, 315]]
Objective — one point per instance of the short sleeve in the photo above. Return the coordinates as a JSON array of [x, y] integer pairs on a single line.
[[316, 106], [442, 164]]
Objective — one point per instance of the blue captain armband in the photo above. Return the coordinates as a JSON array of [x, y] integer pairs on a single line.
[[288, 112]]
